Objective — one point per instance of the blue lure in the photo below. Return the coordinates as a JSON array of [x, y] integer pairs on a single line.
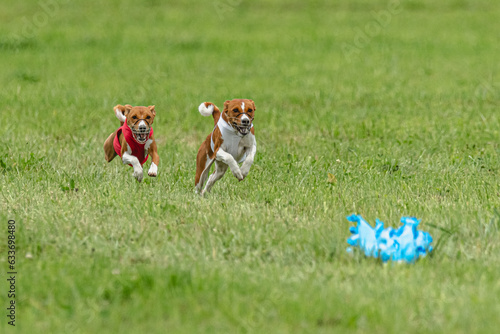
[[403, 244]]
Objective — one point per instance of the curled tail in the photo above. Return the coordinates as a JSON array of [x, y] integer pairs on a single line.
[[121, 112], [208, 108]]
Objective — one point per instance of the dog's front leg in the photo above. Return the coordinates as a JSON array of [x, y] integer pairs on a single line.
[[153, 169], [245, 167], [228, 159], [128, 158]]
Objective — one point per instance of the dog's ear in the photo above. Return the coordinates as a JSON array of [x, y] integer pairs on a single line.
[[226, 106], [121, 112], [153, 112], [253, 104], [152, 109]]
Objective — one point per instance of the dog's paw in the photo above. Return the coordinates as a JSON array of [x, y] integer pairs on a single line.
[[138, 175], [244, 171], [153, 170], [237, 173]]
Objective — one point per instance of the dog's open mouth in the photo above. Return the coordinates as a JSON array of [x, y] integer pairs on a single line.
[[141, 136], [243, 129]]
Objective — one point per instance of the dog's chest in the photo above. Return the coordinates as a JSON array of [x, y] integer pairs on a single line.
[[235, 145]]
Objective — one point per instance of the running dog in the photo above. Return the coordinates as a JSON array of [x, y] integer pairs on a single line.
[[134, 140], [232, 141]]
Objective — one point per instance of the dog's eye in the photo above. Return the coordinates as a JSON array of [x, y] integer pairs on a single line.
[[249, 110], [148, 117], [235, 110], [134, 117]]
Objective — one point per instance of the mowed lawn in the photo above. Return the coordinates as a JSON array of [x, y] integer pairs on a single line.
[[397, 100]]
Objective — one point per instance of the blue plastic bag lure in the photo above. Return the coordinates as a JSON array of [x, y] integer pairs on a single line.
[[403, 244]]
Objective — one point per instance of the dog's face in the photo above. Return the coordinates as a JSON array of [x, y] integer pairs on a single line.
[[139, 120], [240, 114]]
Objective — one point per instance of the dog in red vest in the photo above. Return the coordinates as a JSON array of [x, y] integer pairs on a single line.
[[134, 140]]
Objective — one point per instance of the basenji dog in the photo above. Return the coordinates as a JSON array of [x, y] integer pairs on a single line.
[[134, 140], [232, 141]]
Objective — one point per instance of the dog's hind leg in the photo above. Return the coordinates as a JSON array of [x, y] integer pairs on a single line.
[[220, 170], [204, 175], [109, 150]]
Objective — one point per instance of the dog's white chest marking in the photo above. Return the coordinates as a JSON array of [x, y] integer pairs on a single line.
[[146, 146]]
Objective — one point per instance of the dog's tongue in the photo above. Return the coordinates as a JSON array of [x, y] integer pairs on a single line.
[[141, 137]]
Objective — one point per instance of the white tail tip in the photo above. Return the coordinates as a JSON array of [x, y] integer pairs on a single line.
[[120, 115], [204, 111]]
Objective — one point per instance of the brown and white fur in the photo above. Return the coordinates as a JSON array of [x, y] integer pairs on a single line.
[[233, 144], [139, 119]]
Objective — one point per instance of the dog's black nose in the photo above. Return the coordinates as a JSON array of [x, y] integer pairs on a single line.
[[245, 121], [143, 127]]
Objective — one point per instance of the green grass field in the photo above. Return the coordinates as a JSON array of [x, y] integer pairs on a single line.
[[398, 100]]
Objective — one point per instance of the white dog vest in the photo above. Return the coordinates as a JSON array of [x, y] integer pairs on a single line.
[[231, 137]]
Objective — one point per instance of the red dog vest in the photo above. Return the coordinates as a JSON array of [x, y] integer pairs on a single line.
[[137, 148]]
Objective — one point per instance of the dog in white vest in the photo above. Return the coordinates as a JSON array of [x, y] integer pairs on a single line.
[[232, 141]]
